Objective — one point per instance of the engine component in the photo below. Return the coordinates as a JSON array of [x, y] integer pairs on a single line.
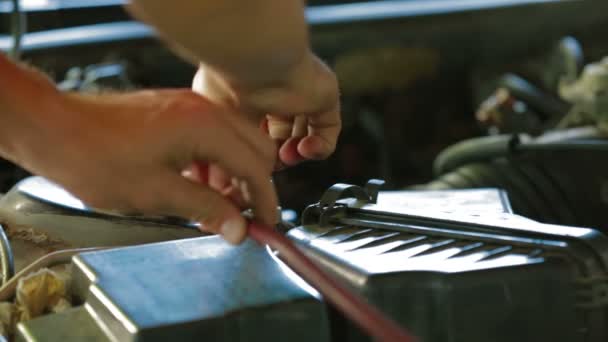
[[566, 63], [589, 94], [47, 208], [551, 163], [558, 177], [519, 106], [461, 277], [191, 289], [470, 273], [40, 217], [504, 112]]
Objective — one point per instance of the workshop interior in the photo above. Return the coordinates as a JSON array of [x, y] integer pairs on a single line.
[[467, 199]]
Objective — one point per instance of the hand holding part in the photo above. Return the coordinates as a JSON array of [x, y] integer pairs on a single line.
[[126, 152], [301, 113]]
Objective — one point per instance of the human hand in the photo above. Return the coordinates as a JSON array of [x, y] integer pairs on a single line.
[[126, 152], [301, 113]]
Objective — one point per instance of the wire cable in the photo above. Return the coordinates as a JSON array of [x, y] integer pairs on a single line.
[[17, 29]]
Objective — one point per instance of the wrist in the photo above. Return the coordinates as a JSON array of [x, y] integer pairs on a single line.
[[309, 87], [303, 88]]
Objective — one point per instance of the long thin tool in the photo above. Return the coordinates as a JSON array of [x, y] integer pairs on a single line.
[[369, 318]]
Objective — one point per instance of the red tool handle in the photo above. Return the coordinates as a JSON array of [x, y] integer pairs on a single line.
[[370, 319]]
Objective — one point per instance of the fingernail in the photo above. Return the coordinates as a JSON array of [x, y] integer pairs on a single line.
[[234, 230]]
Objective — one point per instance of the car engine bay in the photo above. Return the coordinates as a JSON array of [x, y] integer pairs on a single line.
[[466, 198]]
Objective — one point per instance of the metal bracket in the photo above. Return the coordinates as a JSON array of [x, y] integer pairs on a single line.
[[369, 193], [373, 187], [328, 205]]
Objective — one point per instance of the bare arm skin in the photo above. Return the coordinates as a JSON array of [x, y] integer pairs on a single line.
[[128, 151], [233, 36], [255, 58]]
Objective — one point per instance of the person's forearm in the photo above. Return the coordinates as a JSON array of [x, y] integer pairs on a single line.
[[27, 99], [253, 42], [11, 105]]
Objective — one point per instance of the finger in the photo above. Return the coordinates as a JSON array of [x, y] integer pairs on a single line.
[[280, 127], [323, 131], [238, 159], [219, 180], [235, 193], [201, 204], [191, 175], [300, 126], [264, 126], [288, 153], [197, 172], [255, 137]]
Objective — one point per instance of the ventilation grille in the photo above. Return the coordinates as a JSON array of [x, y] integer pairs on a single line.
[[382, 251]]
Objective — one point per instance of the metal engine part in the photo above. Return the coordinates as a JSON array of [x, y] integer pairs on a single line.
[[558, 177], [589, 94], [40, 217], [466, 272], [46, 207], [457, 276], [185, 290], [551, 159]]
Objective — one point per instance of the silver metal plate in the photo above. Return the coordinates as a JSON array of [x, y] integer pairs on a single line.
[[192, 290]]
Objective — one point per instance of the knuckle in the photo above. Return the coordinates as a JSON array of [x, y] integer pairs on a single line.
[[190, 105]]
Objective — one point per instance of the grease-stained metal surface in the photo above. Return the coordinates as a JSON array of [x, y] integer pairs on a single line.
[[42, 212]]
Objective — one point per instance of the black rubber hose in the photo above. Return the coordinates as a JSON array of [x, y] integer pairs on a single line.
[[487, 175], [514, 164], [547, 106], [474, 150], [533, 192]]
